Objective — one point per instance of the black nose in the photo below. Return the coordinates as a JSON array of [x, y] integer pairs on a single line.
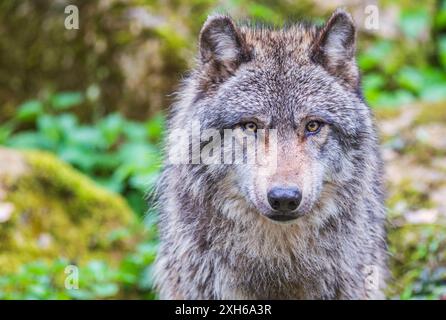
[[284, 199]]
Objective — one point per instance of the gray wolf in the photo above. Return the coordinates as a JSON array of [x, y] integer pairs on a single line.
[[312, 227]]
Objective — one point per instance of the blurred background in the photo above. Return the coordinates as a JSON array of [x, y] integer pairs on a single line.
[[82, 116]]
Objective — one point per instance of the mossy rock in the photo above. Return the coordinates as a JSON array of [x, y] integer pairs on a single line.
[[432, 113], [48, 210]]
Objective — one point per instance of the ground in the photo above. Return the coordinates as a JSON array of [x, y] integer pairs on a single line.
[[414, 150]]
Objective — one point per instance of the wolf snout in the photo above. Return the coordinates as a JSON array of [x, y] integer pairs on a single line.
[[284, 200]]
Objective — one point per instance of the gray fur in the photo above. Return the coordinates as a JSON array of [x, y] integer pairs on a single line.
[[216, 241]]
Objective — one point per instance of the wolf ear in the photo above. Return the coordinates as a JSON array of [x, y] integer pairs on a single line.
[[334, 47], [222, 45]]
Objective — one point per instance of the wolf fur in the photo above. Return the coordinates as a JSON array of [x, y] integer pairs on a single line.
[[216, 241]]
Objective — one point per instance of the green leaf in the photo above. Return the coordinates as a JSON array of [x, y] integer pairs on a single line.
[[440, 18], [80, 294], [414, 22], [146, 280], [442, 50], [105, 290], [373, 81], [155, 127], [144, 181], [394, 99], [67, 122], [66, 100], [49, 127], [375, 55], [30, 140], [113, 184], [136, 201], [411, 79], [111, 128], [87, 136], [78, 157], [435, 92], [5, 132], [29, 111], [135, 132]]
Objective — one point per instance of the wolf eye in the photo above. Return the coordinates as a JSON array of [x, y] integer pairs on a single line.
[[313, 126], [250, 126]]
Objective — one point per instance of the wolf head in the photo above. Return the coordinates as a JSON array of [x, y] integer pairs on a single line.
[[301, 81]]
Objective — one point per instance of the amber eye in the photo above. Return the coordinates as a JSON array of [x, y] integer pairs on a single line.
[[250, 126], [313, 126]]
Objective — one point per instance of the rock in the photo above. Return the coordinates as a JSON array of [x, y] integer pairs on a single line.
[[406, 168], [6, 210], [393, 126], [422, 216], [439, 163], [432, 135], [438, 197], [49, 210]]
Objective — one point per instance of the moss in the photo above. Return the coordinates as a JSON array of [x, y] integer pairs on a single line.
[[386, 113], [431, 112], [413, 198], [421, 152], [416, 250], [60, 213]]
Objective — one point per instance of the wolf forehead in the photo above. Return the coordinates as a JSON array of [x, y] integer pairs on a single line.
[[226, 46], [293, 41]]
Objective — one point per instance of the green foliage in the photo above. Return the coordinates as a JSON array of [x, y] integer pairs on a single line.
[[120, 154], [132, 278], [401, 71], [417, 255], [414, 21]]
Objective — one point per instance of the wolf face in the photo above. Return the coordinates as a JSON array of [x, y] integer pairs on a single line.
[[307, 223], [301, 82]]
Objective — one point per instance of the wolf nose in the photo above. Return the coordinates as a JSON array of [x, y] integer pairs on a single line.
[[284, 199]]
